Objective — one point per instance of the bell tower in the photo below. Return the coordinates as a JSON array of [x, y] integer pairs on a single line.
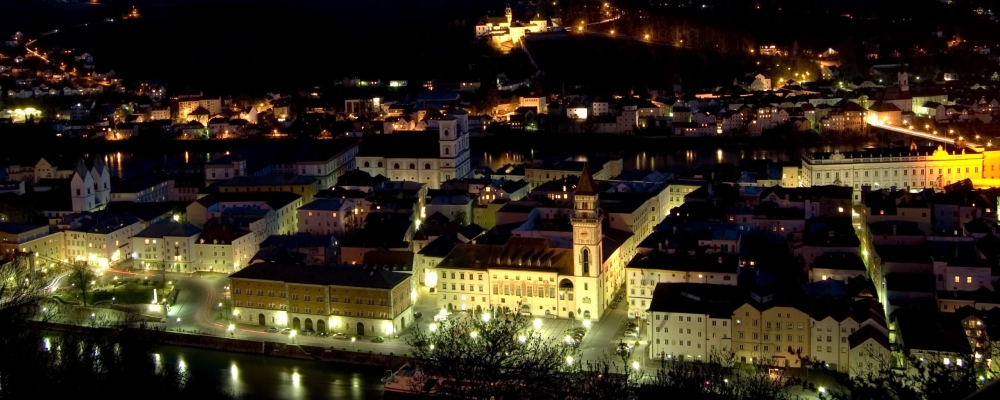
[[586, 223], [510, 15]]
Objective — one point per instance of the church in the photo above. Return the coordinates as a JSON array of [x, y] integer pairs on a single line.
[[504, 30], [426, 157], [530, 275]]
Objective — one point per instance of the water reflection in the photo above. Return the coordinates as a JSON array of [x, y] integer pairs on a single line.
[[259, 377], [661, 159]]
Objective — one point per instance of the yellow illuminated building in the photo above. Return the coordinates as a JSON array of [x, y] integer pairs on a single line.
[[915, 168], [37, 239], [771, 329], [354, 301]]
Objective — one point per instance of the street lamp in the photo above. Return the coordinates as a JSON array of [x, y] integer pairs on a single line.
[[473, 334], [635, 365], [486, 317], [586, 323], [232, 327], [522, 339], [569, 360], [353, 345], [291, 335], [538, 323], [178, 324], [433, 327]]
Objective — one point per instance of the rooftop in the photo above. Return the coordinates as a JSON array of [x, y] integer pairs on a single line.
[[327, 276]]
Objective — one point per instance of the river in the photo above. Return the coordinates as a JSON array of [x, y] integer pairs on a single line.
[[661, 158], [262, 377]]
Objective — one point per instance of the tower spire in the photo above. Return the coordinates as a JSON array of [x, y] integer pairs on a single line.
[[586, 186]]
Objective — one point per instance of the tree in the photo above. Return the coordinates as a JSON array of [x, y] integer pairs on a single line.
[[914, 378], [80, 274], [462, 218], [721, 378], [477, 356], [94, 363]]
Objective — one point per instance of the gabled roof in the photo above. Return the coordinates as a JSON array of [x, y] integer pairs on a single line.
[[868, 332], [169, 228]]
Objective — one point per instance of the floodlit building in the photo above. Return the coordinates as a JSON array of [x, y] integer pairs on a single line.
[[349, 300], [530, 275], [913, 169], [691, 321]]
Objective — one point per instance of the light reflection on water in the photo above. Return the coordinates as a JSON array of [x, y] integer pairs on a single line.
[[664, 159], [259, 377]]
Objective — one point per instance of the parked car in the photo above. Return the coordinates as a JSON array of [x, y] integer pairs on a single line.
[[323, 334], [273, 329], [631, 333], [378, 339], [631, 325], [440, 317], [286, 331], [307, 332], [417, 314], [340, 336]]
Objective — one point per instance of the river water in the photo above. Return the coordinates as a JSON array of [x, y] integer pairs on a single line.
[[125, 165], [262, 377]]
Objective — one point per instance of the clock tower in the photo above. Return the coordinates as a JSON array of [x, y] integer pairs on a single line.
[[586, 223], [587, 255]]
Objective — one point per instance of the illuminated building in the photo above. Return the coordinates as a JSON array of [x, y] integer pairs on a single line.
[[354, 301], [529, 275], [501, 30], [912, 169], [419, 156], [32, 239], [101, 241]]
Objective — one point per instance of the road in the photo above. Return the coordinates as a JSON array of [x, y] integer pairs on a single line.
[[925, 135], [197, 308]]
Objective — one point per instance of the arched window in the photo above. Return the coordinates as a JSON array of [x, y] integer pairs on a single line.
[[395, 166], [447, 150], [379, 164], [585, 260], [413, 166], [445, 133], [427, 166], [366, 164]]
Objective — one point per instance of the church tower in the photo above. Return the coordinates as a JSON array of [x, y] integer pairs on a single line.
[[510, 15], [102, 182], [587, 251], [903, 81], [586, 223]]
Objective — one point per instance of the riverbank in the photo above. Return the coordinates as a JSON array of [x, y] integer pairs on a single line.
[[266, 348]]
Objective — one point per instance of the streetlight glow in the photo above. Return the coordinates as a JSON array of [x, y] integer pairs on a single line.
[[586, 323], [473, 334], [522, 339], [635, 365], [433, 327], [569, 360], [486, 317], [538, 323]]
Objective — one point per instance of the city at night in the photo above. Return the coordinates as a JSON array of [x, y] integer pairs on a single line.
[[499, 199]]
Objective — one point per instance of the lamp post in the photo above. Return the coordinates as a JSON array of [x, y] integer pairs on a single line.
[[178, 324], [353, 343], [231, 329]]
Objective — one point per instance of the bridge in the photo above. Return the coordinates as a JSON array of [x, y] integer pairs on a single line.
[[932, 135]]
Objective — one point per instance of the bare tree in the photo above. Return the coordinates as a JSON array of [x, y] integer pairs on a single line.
[[81, 275], [502, 357]]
